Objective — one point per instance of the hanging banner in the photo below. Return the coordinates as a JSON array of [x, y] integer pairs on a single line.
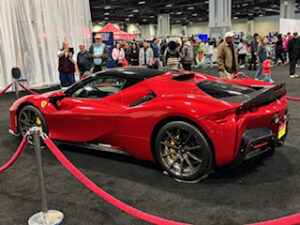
[[108, 40]]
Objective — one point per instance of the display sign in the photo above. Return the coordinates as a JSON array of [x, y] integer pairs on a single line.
[[108, 40]]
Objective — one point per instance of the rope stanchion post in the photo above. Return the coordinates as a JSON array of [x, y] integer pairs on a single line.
[[45, 217]]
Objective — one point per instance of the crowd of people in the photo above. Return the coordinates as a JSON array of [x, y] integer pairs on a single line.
[[184, 54]]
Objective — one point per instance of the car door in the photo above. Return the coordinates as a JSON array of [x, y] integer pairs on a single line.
[[88, 111]]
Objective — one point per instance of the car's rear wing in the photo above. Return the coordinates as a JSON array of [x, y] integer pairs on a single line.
[[264, 96]]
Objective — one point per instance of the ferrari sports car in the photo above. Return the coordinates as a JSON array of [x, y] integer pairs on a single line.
[[190, 123]]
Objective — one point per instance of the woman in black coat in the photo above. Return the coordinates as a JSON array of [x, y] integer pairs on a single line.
[[134, 55]]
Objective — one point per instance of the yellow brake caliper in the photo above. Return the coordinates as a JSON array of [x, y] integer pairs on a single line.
[[38, 121], [172, 150]]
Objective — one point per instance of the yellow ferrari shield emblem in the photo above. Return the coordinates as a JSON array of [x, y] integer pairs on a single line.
[[44, 103]]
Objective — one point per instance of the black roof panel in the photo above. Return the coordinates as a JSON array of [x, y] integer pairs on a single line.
[[135, 73]]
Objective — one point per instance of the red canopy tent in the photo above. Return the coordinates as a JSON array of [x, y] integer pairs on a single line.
[[118, 34]]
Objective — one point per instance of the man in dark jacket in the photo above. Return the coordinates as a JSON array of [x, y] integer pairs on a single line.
[[66, 65], [253, 48], [83, 61], [98, 54], [293, 47]]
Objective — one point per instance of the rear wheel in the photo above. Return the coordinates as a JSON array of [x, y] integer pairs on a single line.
[[28, 117], [183, 151]]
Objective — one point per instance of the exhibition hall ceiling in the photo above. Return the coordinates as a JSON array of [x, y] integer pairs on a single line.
[[181, 11]]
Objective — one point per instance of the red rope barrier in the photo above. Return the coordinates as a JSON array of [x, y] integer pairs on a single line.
[[27, 89], [15, 156], [5, 89], [107, 197], [289, 220], [293, 98]]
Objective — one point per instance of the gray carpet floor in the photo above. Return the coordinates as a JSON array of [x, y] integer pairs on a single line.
[[268, 189]]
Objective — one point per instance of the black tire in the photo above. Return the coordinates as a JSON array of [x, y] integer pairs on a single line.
[[185, 155], [28, 117]]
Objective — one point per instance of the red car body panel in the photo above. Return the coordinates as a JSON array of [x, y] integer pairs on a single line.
[[111, 120]]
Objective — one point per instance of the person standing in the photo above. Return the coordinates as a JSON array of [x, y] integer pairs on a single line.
[[163, 47], [118, 55], [155, 49], [242, 53], [172, 55], [293, 47], [279, 50], [99, 54], [83, 60], [262, 55], [253, 48], [187, 55], [134, 55], [284, 46], [146, 55], [227, 59], [208, 53], [66, 65], [127, 50]]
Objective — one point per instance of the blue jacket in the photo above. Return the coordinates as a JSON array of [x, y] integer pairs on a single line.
[[155, 51]]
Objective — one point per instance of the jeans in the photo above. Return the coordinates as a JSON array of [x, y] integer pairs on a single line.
[[293, 66], [259, 71], [267, 78], [66, 79], [208, 58]]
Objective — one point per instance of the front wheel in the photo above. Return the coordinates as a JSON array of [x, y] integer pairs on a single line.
[[28, 117], [183, 151]]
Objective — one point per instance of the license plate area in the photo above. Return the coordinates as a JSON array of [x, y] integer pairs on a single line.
[[281, 130]]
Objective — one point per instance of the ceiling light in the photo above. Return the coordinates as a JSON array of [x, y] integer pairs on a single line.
[[107, 13], [135, 10], [142, 2], [250, 14], [190, 8], [235, 17], [261, 15], [194, 14], [178, 13], [107, 7], [127, 19], [106, 18], [130, 15], [151, 16], [144, 20], [169, 5]]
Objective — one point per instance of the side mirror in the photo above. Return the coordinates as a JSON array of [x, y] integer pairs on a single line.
[[55, 97], [16, 73]]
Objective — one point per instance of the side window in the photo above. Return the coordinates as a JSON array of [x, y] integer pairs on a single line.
[[100, 87]]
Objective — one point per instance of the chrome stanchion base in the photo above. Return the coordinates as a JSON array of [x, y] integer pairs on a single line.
[[52, 217]]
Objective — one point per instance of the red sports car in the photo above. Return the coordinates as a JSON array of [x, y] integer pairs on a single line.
[[188, 122]]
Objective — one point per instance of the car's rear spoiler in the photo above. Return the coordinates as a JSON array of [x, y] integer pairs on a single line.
[[264, 96]]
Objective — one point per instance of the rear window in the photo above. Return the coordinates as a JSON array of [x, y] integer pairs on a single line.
[[226, 91]]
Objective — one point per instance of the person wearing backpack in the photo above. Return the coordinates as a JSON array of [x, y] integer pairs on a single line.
[[172, 55]]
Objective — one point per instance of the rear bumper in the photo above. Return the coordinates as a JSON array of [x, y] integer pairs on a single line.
[[255, 142]]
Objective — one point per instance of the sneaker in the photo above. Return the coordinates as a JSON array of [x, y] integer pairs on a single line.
[[242, 66], [271, 81], [256, 79], [292, 76]]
